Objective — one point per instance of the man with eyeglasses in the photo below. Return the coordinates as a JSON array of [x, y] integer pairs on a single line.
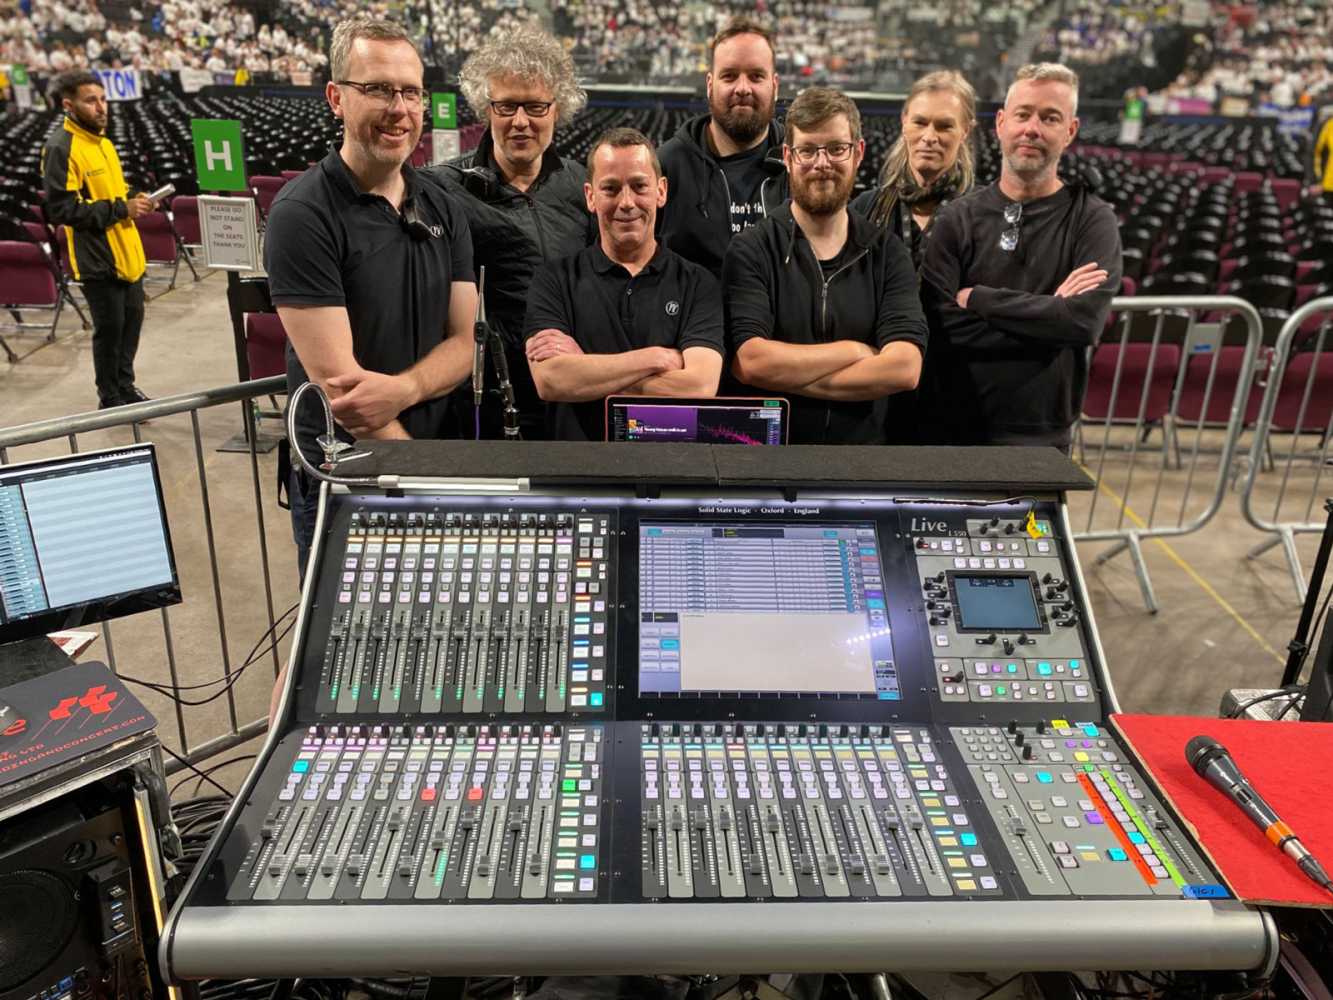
[[1017, 282], [524, 202], [370, 265], [724, 169], [821, 303]]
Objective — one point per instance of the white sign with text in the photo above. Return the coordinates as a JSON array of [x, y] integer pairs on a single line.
[[230, 235]]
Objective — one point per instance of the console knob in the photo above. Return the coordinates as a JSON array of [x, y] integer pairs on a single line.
[[1013, 726]]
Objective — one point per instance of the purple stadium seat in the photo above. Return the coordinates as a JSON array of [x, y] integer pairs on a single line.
[[185, 217], [265, 345], [160, 243], [27, 282], [1192, 391], [1134, 378], [265, 190], [1320, 406]]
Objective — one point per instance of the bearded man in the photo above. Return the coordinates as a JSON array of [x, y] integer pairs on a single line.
[[724, 169], [821, 304]]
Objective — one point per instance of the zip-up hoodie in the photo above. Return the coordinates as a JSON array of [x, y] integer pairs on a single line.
[[773, 287], [696, 221], [85, 193]]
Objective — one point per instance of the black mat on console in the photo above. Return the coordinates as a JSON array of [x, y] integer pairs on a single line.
[[570, 463], [1006, 469], [550, 463]]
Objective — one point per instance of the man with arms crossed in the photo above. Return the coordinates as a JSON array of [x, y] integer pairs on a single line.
[[1017, 282], [821, 303], [626, 315], [370, 265]]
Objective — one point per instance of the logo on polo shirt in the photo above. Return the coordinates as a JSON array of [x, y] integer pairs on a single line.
[[672, 307], [437, 231]]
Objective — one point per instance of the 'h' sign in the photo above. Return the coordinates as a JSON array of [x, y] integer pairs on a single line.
[[219, 157]]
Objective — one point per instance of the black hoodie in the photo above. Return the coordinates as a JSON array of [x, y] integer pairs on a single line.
[[696, 222], [773, 287]]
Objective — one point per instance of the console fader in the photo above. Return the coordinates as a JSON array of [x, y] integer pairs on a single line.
[[447, 612], [590, 733]]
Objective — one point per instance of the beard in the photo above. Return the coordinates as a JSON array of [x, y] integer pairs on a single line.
[[1027, 164], [742, 123], [90, 123], [822, 199]]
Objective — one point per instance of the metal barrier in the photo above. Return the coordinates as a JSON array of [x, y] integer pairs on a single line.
[[1291, 403], [1168, 371], [133, 416]]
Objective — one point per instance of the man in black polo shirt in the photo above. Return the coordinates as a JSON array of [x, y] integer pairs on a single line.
[[626, 315], [370, 265], [822, 304]]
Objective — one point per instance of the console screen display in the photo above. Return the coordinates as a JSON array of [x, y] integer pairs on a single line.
[[763, 609], [996, 603]]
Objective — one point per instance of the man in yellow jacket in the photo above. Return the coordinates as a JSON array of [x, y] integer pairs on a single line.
[[86, 193], [1323, 157]]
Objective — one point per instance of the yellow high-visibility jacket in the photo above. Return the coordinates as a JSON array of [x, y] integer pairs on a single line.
[[85, 193]]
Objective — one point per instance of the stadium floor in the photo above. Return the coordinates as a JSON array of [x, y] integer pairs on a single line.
[[1224, 621]]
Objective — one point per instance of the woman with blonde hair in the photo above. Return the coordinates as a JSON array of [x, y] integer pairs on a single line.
[[931, 163]]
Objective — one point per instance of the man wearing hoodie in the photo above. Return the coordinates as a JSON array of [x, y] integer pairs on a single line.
[[724, 169]]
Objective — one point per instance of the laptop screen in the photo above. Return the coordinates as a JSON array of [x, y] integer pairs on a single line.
[[82, 539], [710, 421]]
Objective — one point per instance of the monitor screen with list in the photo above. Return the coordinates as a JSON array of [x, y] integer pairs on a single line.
[[82, 539], [722, 607]]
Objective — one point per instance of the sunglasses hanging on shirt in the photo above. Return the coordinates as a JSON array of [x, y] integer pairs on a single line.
[[1013, 212]]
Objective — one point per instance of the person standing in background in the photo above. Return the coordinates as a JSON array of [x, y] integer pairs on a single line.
[[87, 194]]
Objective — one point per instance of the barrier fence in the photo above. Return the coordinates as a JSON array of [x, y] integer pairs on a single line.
[[1180, 367], [173, 449], [1174, 385], [1298, 402]]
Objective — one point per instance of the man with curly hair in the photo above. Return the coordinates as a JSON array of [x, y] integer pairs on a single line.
[[524, 203]]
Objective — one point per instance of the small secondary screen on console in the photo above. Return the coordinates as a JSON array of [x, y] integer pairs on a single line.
[[761, 609], [1001, 603]]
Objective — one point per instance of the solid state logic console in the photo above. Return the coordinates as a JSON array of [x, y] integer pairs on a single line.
[[571, 732]]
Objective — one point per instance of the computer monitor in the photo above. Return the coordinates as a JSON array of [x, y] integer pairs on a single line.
[[83, 538], [708, 420]]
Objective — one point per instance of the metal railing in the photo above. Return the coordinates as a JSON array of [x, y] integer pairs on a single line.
[[1169, 371], [1294, 402], [70, 429]]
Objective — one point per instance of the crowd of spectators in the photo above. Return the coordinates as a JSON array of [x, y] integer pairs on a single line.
[[1278, 53]]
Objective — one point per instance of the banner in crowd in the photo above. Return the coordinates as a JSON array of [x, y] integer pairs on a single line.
[[194, 80], [1291, 120], [121, 84]]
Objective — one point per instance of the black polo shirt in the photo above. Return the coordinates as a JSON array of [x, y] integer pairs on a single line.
[[329, 243], [670, 303]]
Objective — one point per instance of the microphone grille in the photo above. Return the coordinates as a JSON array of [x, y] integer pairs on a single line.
[[1200, 749]]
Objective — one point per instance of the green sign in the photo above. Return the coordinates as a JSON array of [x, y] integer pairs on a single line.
[[218, 154], [18, 76], [444, 110]]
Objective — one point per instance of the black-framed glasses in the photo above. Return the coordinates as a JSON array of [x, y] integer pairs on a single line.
[[1013, 212], [533, 109], [384, 93], [807, 153]]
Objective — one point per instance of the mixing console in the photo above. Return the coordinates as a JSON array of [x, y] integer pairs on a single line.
[[663, 711], [782, 811], [447, 612], [431, 812]]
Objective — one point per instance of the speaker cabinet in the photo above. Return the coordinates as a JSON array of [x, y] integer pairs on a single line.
[[74, 906]]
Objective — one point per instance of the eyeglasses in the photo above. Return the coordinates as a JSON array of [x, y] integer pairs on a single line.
[[836, 152], [384, 93], [1013, 212], [533, 109]]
